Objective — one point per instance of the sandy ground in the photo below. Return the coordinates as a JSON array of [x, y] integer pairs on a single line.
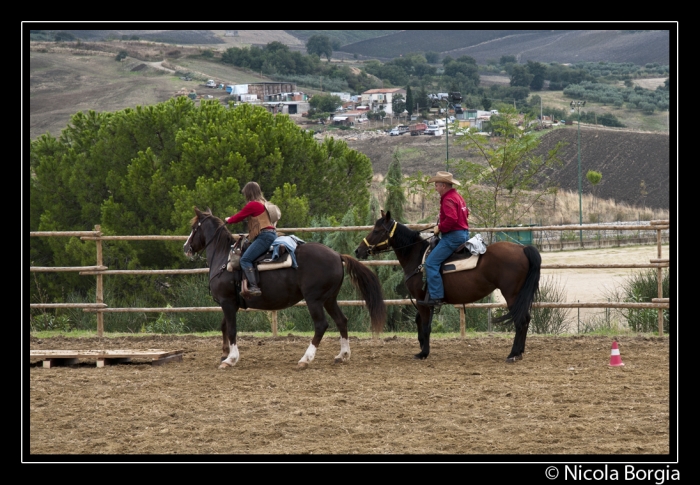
[[463, 403]]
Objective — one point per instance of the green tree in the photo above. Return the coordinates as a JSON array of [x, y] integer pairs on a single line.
[[398, 105], [325, 103], [396, 196], [594, 179], [508, 179], [121, 55], [538, 72], [432, 57], [410, 102], [519, 76], [320, 45]]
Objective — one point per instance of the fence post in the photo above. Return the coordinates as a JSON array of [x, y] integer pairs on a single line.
[[462, 321], [99, 296], [274, 323], [659, 282]]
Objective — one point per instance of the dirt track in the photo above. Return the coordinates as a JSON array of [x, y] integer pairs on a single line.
[[563, 398]]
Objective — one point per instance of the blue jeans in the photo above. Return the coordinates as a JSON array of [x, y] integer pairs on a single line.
[[448, 243], [260, 246]]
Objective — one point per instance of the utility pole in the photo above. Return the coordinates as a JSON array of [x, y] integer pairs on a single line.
[[577, 105]]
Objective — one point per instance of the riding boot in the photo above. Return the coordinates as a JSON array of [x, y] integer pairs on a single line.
[[252, 276]]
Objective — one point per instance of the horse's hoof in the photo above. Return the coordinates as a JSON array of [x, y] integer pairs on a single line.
[[338, 360], [302, 365], [420, 356], [224, 365]]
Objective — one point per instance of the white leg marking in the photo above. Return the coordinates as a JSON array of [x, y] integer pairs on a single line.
[[309, 355], [233, 356], [344, 354]]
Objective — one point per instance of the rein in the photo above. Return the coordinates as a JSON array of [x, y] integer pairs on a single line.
[[373, 249], [217, 236]]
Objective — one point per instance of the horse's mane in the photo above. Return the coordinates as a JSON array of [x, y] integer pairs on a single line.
[[405, 236]]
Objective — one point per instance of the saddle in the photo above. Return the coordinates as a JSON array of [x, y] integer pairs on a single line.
[[460, 260], [262, 263]]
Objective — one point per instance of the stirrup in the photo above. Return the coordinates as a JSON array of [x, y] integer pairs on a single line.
[[254, 291]]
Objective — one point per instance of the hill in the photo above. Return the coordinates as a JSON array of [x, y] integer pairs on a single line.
[[624, 158], [563, 46]]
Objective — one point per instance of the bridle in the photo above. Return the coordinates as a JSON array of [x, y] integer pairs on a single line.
[[373, 249], [206, 244]]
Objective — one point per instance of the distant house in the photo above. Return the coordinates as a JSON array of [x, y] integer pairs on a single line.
[[343, 96], [380, 99], [350, 118]]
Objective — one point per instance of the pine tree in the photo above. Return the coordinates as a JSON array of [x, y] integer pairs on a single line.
[[396, 197]]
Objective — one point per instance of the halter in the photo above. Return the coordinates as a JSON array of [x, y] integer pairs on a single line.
[[375, 248]]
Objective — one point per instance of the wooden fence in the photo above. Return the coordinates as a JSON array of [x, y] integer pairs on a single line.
[[99, 270]]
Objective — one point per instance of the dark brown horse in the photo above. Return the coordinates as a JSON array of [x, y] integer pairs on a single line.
[[510, 267], [317, 279]]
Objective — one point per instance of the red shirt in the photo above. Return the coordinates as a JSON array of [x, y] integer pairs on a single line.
[[252, 208], [453, 212]]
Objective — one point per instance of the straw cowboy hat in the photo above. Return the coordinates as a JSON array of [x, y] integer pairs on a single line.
[[445, 177]]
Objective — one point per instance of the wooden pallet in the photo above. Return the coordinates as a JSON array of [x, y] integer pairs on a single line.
[[53, 358]]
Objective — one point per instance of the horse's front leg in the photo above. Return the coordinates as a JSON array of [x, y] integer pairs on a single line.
[[229, 331], [320, 326], [423, 323]]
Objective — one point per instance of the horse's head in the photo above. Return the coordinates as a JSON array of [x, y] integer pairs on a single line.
[[379, 240], [196, 242]]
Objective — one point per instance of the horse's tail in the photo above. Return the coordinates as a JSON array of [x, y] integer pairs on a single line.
[[368, 284], [520, 310]]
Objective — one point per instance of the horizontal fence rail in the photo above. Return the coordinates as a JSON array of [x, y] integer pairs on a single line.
[[99, 270]]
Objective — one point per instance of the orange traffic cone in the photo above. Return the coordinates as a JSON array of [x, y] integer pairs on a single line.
[[615, 359]]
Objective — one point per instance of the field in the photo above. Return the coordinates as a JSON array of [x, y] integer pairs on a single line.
[[487, 46], [462, 403]]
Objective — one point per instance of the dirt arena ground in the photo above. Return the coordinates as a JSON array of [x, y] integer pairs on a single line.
[[461, 403]]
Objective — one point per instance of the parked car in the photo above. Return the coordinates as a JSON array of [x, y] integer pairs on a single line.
[[211, 83], [394, 132]]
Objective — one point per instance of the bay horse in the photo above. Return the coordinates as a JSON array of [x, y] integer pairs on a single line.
[[317, 279], [510, 267]]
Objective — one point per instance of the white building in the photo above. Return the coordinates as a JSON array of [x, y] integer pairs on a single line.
[[380, 99]]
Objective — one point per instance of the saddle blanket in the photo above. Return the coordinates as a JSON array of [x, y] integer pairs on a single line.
[[460, 265], [281, 254]]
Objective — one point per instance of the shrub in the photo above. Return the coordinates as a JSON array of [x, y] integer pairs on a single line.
[[641, 287], [166, 323], [550, 320], [48, 321]]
